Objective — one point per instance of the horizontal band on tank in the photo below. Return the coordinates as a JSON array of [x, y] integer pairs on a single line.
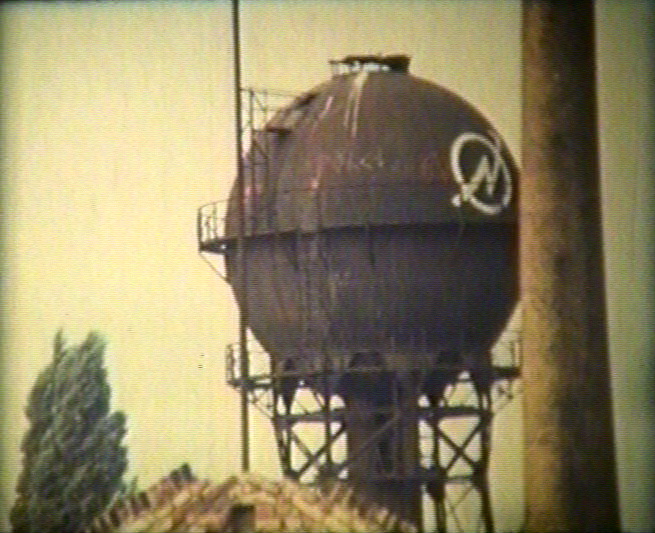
[[307, 209], [212, 236]]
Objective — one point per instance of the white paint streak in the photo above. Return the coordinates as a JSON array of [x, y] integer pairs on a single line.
[[352, 104], [326, 108]]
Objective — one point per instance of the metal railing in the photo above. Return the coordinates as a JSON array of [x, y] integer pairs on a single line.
[[317, 206], [210, 222]]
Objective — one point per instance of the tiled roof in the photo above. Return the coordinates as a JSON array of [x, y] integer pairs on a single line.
[[181, 503]]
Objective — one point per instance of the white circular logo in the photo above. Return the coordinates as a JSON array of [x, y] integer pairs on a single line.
[[491, 166]]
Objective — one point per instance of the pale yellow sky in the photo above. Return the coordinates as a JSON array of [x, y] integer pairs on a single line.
[[118, 126]]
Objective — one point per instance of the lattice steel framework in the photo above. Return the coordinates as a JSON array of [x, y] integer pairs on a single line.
[[453, 419]]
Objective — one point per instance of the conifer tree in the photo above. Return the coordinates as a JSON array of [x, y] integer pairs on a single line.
[[73, 461]]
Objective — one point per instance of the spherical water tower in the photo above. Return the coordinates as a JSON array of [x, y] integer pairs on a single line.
[[379, 232]]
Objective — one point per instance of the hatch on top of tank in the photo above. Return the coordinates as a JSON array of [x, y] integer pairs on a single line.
[[370, 63]]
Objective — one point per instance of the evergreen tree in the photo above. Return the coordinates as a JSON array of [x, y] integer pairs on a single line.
[[73, 461]]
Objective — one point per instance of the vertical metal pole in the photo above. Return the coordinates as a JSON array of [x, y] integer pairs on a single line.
[[437, 489], [241, 256], [570, 476], [327, 413], [481, 476]]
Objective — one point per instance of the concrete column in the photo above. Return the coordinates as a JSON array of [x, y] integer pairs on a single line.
[[400, 496], [569, 456]]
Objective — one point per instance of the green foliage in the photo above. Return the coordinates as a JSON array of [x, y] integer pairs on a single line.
[[126, 490], [73, 461]]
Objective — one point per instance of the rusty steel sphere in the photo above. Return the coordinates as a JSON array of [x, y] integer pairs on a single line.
[[380, 222]]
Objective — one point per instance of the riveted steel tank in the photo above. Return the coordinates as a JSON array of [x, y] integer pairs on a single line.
[[380, 219]]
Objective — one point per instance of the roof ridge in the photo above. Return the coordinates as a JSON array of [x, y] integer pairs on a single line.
[[180, 501], [132, 506]]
